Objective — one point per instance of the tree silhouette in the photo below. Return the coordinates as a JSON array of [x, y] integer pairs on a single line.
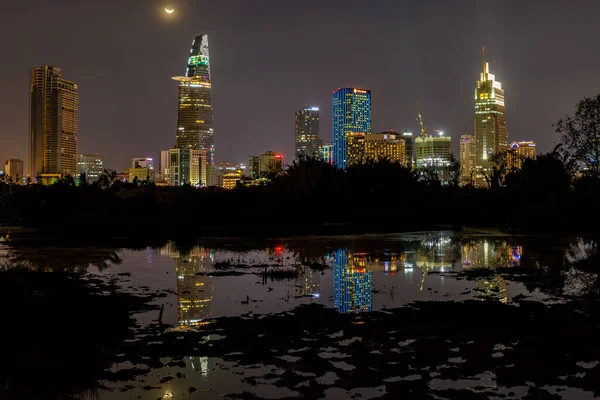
[[580, 136]]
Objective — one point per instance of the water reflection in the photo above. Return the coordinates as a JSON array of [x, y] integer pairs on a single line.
[[194, 291], [352, 282]]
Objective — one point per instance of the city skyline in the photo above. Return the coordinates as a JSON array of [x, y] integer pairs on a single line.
[[120, 125]]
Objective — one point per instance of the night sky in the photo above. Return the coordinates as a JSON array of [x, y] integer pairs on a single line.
[[269, 58]]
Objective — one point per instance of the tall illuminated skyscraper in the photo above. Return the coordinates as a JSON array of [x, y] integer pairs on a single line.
[[308, 140], [351, 113], [194, 109], [54, 123], [491, 134]]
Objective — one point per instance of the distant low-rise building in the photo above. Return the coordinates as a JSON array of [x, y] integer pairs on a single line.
[[269, 162], [141, 173], [518, 152], [91, 165], [217, 171], [13, 168], [142, 162]]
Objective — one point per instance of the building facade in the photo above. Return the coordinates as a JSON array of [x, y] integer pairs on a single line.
[[54, 123], [518, 152], [326, 153], [389, 145], [433, 151], [467, 159], [491, 135], [351, 113], [307, 136], [269, 162], [355, 148], [187, 166], [194, 107], [13, 168], [91, 165]]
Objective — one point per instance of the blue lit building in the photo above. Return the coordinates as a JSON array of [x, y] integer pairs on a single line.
[[351, 113], [352, 284]]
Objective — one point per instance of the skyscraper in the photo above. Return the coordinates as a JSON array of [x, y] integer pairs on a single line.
[[351, 113], [491, 135], [467, 159], [308, 140], [54, 109], [194, 109]]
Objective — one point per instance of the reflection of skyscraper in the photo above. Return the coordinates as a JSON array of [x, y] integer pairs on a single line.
[[352, 283], [195, 112], [194, 292], [491, 254], [308, 283], [494, 288]]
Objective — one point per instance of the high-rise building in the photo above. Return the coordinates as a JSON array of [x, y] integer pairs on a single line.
[[91, 165], [194, 108], [433, 151], [187, 166], [142, 162], [467, 159], [376, 146], [326, 153], [308, 140], [270, 162], [389, 145], [518, 152], [14, 168], [54, 109], [355, 148], [491, 135], [351, 113], [408, 146]]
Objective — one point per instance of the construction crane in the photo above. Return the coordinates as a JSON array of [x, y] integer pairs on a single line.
[[423, 127], [424, 134]]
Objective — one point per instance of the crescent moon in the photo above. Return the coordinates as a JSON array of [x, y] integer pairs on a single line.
[[169, 10]]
